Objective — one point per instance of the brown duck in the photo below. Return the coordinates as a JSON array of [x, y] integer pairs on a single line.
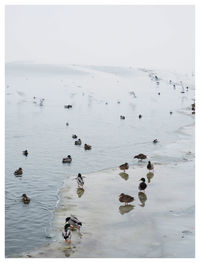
[[124, 167], [126, 198], [150, 166], [18, 172], [87, 147], [25, 199], [25, 152], [140, 156]]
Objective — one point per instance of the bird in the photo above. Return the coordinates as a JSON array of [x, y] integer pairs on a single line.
[[158, 93], [67, 123], [74, 136], [142, 185], [122, 117], [78, 142], [124, 167], [68, 106], [170, 112], [68, 159], [87, 147], [80, 181], [125, 198], [74, 222], [25, 199], [155, 140], [67, 234], [25, 152], [18, 172], [140, 116], [140, 156], [150, 166]]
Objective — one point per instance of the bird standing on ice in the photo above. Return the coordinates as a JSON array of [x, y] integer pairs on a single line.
[[80, 181], [67, 233]]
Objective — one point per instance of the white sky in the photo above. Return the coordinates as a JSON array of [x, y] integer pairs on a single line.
[[144, 36]]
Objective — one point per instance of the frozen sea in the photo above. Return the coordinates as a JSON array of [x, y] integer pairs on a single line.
[[99, 95]]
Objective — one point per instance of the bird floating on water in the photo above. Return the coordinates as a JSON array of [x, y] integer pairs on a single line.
[[125, 198], [68, 106], [140, 116], [68, 159], [122, 117], [74, 136], [25, 199], [18, 172], [78, 142], [25, 152], [140, 156], [155, 141], [142, 185], [87, 146], [150, 166]]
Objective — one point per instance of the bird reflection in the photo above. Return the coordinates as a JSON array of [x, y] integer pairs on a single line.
[[143, 198], [124, 176], [150, 175], [80, 192], [123, 209]]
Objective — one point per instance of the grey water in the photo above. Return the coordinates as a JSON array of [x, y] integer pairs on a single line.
[[99, 95]]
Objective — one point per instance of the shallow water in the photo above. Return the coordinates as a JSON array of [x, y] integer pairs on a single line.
[[43, 131]]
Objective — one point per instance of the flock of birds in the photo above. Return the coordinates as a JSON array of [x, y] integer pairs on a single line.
[[72, 222]]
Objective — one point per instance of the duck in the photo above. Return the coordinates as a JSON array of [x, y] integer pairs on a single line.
[[67, 123], [18, 172], [140, 116], [170, 112], [25, 152], [25, 199], [68, 106], [158, 93], [68, 159], [150, 166], [125, 198], [122, 117], [87, 147], [74, 136], [155, 141], [67, 233], [142, 185], [140, 156], [80, 181], [124, 167], [74, 222], [78, 142]]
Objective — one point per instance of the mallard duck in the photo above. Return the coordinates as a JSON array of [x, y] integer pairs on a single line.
[[124, 167], [68, 159], [122, 117], [150, 166], [140, 156], [67, 234], [80, 181], [150, 176], [78, 142], [142, 185], [74, 222], [68, 106], [25, 199], [25, 152], [125, 198], [155, 141], [140, 116], [18, 172], [87, 147], [74, 136]]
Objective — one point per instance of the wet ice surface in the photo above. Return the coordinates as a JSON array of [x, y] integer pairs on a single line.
[[43, 131]]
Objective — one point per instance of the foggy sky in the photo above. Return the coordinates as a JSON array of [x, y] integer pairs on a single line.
[[138, 36]]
